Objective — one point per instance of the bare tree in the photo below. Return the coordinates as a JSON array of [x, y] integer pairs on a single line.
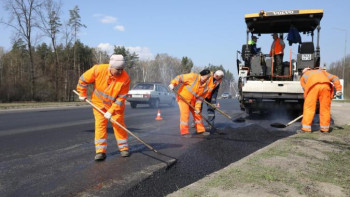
[[1, 63], [75, 23], [23, 20], [100, 56], [50, 25]]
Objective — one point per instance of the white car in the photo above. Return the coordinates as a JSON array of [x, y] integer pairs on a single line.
[[226, 95], [150, 93]]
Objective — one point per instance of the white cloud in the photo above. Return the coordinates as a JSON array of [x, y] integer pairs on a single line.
[[143, 53], [106, 47], [108, 19], [119, 28]]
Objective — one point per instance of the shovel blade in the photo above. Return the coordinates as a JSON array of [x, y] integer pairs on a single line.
[[240, 119], [278, 125]]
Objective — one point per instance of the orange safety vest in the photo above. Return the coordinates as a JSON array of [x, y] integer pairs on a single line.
[[319, 76], [191, 88], [109, 91], [276, 47], [211, 86]]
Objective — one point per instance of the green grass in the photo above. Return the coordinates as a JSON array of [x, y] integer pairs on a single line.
[[334, 169], [26, 105]]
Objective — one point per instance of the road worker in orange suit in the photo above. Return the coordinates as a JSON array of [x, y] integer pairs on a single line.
[[211, 95], [317, 85], [277, 48], [192, 85], [111, 85]]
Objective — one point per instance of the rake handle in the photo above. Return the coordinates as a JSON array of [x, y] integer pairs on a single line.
[[213, 106], [117, 123], [184, 100], [293, 121]]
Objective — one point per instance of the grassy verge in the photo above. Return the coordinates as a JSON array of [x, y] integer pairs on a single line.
[[302, 165], [27, 105]]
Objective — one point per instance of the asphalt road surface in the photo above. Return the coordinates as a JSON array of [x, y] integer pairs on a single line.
[[50, 152]]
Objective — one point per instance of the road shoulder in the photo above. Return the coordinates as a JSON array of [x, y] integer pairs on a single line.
[[300, 165]]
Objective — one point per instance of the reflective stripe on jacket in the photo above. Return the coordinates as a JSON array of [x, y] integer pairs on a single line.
[[191, 87], [109, 91], [318, 76]]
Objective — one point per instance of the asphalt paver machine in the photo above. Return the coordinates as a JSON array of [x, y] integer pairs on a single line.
[[260, 89]]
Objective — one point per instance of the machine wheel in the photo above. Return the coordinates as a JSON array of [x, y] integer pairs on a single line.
[[240, 94], [249, 111], [133, 105]]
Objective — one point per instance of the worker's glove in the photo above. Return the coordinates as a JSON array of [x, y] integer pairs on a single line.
[[171, 87], [108, 115], [338, 93], [82, 98]]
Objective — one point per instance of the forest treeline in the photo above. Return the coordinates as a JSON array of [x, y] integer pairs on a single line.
[[49, 71], [341, 69]]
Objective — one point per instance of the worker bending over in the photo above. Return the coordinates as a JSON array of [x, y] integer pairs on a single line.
[[211, 95], [192, 85], [317, 85], [111, 86]]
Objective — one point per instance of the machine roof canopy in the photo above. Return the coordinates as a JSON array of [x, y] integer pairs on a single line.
[[281, 21]]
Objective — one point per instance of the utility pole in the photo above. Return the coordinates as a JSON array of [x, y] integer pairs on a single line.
[[346, 35], [344, 64]]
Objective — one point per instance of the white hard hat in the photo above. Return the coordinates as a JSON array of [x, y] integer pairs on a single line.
[[116, 61], [219, 73]]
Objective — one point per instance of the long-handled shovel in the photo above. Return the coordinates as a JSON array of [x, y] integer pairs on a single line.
[[184, 100], [172, 162], [223, 113], [279, 125], [217, 109], [117, 123]]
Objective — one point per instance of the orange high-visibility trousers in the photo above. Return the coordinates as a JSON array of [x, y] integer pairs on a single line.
[[101, 132], [322, 93], [185, 115]]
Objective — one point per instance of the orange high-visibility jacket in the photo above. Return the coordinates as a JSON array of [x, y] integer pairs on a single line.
[[277, 47], [190, 86], [211, 86], [318, 76], [109, 91]]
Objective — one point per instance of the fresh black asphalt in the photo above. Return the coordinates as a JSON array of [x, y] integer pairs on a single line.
[[49, 152]]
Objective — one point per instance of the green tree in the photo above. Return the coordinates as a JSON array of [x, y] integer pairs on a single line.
[[130, 58], [76, 25], [186, 65], [50, 25]]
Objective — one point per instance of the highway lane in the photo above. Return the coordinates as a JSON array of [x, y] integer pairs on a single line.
[[51, 151]]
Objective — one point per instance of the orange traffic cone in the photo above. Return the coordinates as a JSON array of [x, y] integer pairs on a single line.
[[218, 105], [159, 117]]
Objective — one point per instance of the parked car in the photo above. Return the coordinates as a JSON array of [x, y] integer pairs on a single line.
[[151, 93], [226, 95]]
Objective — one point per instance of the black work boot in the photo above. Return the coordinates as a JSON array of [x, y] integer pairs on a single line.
[[100, 156]]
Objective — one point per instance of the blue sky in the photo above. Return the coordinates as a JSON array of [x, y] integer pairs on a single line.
[[205, 31]]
